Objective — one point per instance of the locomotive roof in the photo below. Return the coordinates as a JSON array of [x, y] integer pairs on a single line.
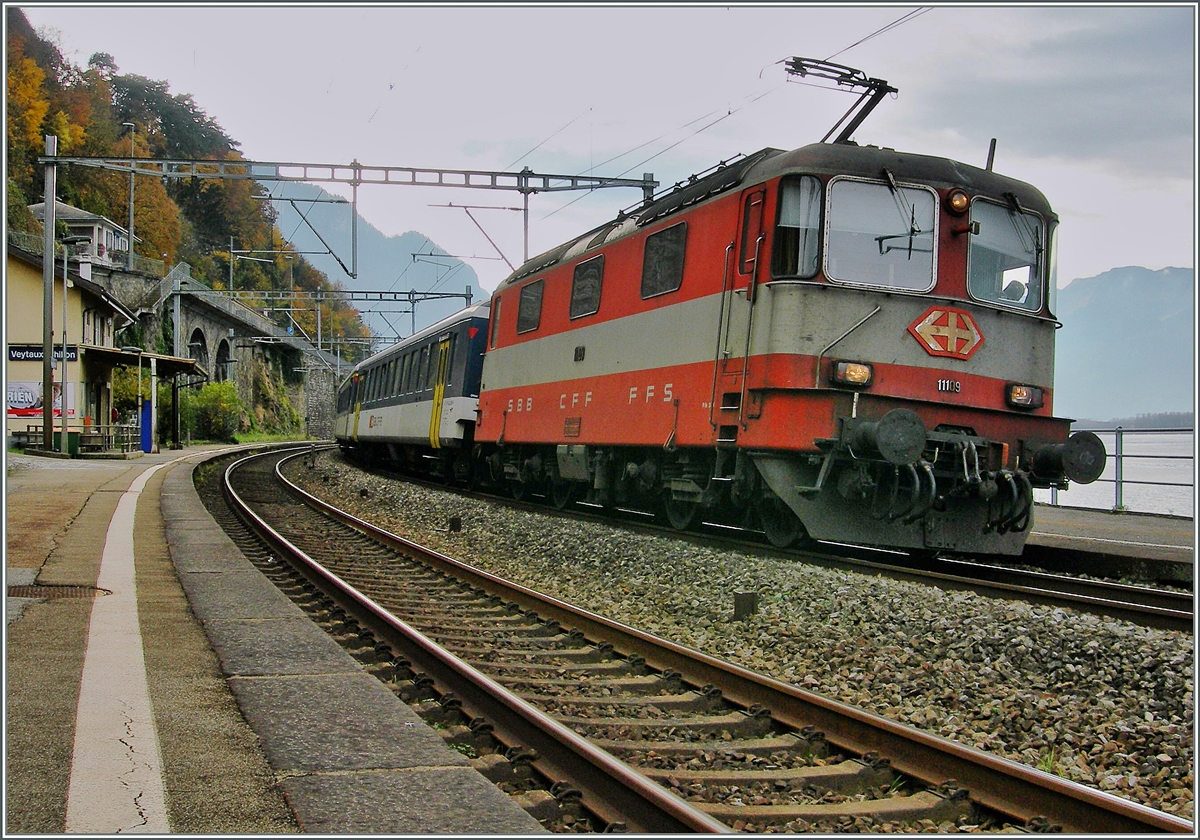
[[818, 158], [871, 161], [475, 310]]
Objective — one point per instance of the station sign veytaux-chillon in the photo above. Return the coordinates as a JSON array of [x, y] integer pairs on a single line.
[[34, 353]]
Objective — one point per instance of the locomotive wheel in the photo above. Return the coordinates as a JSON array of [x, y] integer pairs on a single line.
[[562, 493], [779, 522], [680, 513]]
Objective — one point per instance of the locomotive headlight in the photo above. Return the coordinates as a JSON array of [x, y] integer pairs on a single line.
[[855, 374], [1024, 396], [957, 202]]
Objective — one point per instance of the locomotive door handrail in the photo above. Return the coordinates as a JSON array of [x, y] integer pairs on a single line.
[[722, 326], [753, 219], [751, 299]]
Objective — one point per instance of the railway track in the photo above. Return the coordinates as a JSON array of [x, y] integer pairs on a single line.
[[536, 688], [1166, 609]]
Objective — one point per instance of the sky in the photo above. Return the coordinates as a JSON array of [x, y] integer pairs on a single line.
[[1094, 105]]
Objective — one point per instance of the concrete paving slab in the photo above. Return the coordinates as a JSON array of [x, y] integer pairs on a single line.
[[454, 801], [235, 593], [276, 647], [205, 556], [335, 722]]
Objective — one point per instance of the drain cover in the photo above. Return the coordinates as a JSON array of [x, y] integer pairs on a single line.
[[54, 592]]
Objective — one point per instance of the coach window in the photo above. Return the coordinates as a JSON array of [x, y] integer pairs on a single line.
[[431, 373], [414, 359], [585, 287], [881, 235], [450, 358], [422, 365], [798, 233], [529, 307], [662, 262], [1004, 259]]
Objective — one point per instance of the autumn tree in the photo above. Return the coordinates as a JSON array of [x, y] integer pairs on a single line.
[[192, 220]]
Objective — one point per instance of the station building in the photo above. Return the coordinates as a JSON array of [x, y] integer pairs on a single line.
[[82, 387]]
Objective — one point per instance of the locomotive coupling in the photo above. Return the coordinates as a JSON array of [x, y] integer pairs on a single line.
[[1081, 459], [898, 437]]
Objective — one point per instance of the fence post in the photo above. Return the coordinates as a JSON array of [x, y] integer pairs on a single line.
[[1120, 471]]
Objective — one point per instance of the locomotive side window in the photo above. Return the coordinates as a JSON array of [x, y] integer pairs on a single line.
[[797, 236], [881, 235], [1004, 258], [495, 321], [662, 262], [585, 287], [529, 307]]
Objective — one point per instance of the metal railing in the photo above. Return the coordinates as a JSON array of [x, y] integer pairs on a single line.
[[1120, 456], [85, 438], [34, 244]]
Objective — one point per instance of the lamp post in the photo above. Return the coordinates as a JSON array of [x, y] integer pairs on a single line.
[[67, 242], [132, 129]]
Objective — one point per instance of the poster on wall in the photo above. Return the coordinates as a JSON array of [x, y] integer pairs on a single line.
[[25, 399]]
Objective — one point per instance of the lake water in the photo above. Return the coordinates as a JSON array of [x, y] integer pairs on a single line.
[[1166, 457]]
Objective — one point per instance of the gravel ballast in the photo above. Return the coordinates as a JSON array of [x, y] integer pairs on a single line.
[[1095, 700]]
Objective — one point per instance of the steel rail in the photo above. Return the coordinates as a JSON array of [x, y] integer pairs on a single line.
[[1162, 609], [612, 790], [1139, 605], [1013, 789]]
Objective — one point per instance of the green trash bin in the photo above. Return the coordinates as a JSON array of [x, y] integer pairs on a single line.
[[72, 443]]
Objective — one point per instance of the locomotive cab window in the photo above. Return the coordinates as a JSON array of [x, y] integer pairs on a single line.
[[662, 261], [1004, 260], [529, 307], [881, 234], [585, 287], [799, 230]]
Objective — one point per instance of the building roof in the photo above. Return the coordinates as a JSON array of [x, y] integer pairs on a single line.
[[89, 286], [67, 213]]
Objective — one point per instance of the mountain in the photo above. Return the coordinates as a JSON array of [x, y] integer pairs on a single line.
[[1127, 344], [385, 263]]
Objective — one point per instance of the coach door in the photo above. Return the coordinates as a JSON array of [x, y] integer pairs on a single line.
[[736, 319], [443, 354]]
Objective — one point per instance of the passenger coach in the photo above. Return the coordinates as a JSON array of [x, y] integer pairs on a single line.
[[417, 400]]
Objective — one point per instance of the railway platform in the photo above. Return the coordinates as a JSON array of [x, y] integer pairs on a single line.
[[1143, 545], [193, 697]]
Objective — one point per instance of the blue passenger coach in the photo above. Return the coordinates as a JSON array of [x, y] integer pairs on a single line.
[[418, 399]]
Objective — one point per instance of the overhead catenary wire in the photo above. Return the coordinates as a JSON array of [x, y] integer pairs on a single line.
[[547, 140], [643, 162], [900, 21]]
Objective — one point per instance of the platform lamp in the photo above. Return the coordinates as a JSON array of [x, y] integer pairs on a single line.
[[67, 242]]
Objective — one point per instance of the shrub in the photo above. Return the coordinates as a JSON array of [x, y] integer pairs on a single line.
[[214, 411]]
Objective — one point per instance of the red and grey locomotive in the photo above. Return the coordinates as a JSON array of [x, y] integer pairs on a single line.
[[847, 343]]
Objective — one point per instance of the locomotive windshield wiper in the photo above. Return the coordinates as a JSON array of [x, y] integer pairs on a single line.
[[908, 215], [1025, 229]]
